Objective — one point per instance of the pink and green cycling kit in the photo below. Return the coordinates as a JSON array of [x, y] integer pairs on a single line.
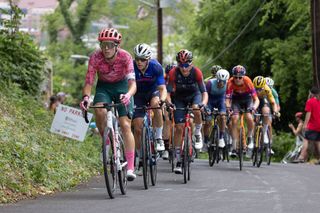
[[112, 75], [120, 69]]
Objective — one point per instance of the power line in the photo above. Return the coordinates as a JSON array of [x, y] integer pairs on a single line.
[[236, 38]]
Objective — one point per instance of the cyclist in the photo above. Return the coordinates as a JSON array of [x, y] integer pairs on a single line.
[[275, 94], [216, 89], [214, 70], [266, 99], [167, 125], [241, 94], [116, 82], [186, 86], [150, 89]]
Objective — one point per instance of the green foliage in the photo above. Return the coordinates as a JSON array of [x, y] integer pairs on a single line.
[[276, 43], [282, 143], [33, 160], [20, 60]]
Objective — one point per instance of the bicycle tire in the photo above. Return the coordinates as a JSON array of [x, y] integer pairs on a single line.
[[268, 149], [212, 149], [152, 159], [216, 142], [254, 156], [109, 167], [241, 149], [227, 147], [122, 174], [260, 148], [144, 156], [185, 155]]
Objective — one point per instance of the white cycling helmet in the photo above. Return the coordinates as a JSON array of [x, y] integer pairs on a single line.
[[223, 75], [269, 81], [143, 51]]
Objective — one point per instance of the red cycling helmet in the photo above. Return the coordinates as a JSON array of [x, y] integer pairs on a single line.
[[110, 34], [298, 115], [184, 56], [238, 71]]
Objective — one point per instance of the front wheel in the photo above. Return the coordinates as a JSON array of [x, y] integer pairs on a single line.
[[122, 174], [153, 161], [185, 155], [109, 165], [241, 148], [144, 155]]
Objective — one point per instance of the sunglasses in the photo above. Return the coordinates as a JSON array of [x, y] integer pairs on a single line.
[[107, 45], [140, 59], [235, 77], [184, 65]]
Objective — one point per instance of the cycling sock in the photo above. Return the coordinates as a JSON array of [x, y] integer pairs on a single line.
[[130, 159], [198, 129], [159, 132], [221, 135], [178, 154], [234, 144]]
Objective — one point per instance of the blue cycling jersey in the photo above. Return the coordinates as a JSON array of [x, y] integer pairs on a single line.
[[213, 89], [151, 79]]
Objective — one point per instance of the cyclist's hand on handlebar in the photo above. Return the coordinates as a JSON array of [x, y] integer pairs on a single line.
[[170, 106], [125, 99], [229, 111], [84, 104], [201, 106], [161, 103], [252, 110]]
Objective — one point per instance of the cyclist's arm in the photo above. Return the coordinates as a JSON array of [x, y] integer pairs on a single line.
[[163, 92], [131, 77], [90, 76], [271, 99], [229, 91], [202, 87], [171, 84], [253, 94]]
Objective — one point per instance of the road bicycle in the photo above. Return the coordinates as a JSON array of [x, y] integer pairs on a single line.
[[148, 151], [113, 156], [187, 147]]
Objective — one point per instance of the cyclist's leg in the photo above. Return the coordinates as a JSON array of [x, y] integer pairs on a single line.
[[178, 131], [249, 120], [138, 114], [197, 120], [222, 120], [157, 120], [125, 115], [101, 96], [166, 134], [207, 127], [234, 125]]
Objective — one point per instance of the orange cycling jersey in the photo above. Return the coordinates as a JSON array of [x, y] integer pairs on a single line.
[[240, 91], [265, 92]]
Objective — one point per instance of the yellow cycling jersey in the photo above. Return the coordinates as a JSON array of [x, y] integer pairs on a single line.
[[265, 92]]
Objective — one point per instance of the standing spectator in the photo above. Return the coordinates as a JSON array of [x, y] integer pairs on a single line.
[[312, 120], [61, 97], [53, 104], [299, 139]]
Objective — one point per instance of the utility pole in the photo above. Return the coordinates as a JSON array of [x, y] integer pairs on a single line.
[[315, 18], [159, 23]]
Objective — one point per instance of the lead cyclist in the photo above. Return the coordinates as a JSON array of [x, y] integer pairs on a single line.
[[116, 82]]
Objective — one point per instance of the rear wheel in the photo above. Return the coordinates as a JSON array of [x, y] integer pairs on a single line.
[[213, 146], [109, 166], [144, 155]]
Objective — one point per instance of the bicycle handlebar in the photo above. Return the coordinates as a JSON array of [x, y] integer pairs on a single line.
[[104, 105]]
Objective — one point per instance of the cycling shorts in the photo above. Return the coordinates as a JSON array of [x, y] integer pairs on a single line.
[[244, 104], [179, 115], [142, 99], [108, 92]]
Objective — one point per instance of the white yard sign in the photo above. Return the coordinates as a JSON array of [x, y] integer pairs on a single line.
[[69, 122]]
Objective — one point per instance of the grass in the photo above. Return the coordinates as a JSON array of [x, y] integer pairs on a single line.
[[34, 161]]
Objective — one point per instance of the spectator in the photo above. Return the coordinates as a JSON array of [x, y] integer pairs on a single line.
[[61, 97], [53, 104], [299, 140], [311, 125]]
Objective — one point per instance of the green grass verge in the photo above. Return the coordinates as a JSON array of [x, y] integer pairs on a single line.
[[34, 161]]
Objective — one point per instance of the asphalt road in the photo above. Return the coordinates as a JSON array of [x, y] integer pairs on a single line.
[[221, 188]]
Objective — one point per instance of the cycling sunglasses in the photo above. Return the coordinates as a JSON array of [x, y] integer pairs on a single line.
[[184, 65], [140, 59], [107, 45], [238, 77]]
